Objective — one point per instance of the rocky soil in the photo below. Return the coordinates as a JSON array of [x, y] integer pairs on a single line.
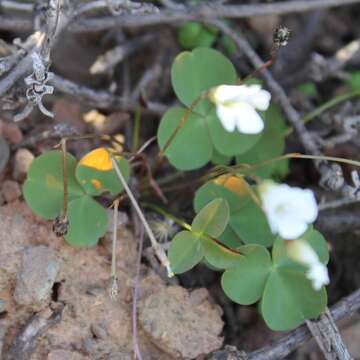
[[55, 303]]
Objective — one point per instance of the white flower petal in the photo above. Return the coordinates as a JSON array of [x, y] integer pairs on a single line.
[[291, 229], [288, 210], [247, 92], [225, 93], [227, 117], [262, 100], [237, 104], [248, 121], [252, 94], [301, 251], [309, 206], [318, 275]]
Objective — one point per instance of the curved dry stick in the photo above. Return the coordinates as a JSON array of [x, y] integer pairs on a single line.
[[159, 251], [27, 339], [282, 347], [205, 13]]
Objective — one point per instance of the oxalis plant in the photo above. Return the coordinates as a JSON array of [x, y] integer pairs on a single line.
[[61, 188], [257, 232]]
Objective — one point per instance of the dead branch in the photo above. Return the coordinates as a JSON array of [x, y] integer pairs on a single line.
[[103, 99], [112, 57], [15, 5], [337, 222], [16, 23], [172, 14], [9, 80], [328, 337], [42, 42], [207, 12], [27, 339], [336, 204], [322, 68], [290, 342]]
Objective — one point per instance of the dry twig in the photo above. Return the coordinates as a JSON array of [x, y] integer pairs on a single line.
[[117, 54], [293, 340], [328, 337], [103, 99], [172, 14], [159, 251], [28, 337], [207, 12]]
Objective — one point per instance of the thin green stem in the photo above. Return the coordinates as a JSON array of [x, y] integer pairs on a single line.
[[113, 257], [257, 71], [328, 158], [186, 226], [64, 165], [312, 157], [244, 168], [114, 285], [164, 213], [182, 122], [325, 107], [329, 104]]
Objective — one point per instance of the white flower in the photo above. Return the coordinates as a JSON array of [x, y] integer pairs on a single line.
[[302, 252], [236, 107], [289, 210]]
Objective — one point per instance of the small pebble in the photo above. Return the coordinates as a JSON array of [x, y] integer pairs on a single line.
[[1, 127], [4, 153], [23, 160], [12, 133], [64, 355], [98, 331], [122, 220], [36, 278], [10, 190], [2, 306]]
